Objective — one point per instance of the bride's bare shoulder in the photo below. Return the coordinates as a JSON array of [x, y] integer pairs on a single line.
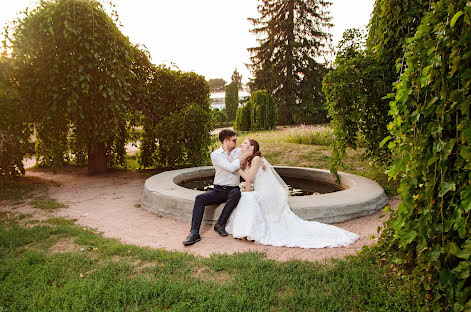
[[257, 159]]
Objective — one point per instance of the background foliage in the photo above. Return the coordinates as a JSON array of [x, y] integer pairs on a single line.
[[177, 120], [232, 100], [431, 132], [216, 84], [14, 128], [88, 89], [291, 35], [75, 70], [363, 73], [352, 91], [259, 113]]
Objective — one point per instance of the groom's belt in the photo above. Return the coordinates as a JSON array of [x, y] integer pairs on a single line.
[[224, 187]]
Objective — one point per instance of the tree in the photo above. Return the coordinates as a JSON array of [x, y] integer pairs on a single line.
[[429, 233], [216, 84], [76, 71], [176, 120], [292, 35], [353, 90], [257, 114], [236, 77], [363, 74], [14, 125], [232, 100]]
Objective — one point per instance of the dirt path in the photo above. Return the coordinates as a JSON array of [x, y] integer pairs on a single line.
[[111, 204]]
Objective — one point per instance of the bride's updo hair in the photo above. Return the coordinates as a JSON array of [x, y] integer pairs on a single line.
[[256, 151]]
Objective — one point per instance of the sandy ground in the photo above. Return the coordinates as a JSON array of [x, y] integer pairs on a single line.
[[111, 204]]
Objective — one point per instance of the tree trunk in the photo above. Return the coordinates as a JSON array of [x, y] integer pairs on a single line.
[[96, 158]]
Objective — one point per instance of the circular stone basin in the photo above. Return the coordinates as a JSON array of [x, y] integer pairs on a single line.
[[296, 186], [354, 197]]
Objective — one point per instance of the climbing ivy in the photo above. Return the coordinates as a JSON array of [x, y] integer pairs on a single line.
[[363, 73], [431, 132]]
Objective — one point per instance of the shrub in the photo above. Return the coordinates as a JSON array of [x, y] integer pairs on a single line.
[[242, 121], [177, 120], [257, 114], [263, 112], [431, 131], [353, 91], [232, 100], [14, 128]]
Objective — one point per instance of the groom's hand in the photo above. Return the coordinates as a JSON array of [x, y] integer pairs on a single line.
[[244, 156]]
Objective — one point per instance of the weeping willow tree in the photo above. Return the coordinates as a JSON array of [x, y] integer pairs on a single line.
[[76, 71]]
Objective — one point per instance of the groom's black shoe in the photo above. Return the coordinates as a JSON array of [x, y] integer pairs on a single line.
[[220, 229], [191, 239]]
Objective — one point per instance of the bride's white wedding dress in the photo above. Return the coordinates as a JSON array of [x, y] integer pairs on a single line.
[[265, 217]]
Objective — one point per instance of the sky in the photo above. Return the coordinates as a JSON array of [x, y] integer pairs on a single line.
[[209, 37]]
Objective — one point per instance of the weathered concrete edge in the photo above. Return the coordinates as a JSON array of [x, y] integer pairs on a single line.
[[362, 197]]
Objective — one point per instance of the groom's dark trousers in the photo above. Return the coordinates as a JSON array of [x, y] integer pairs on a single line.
[[229, 194]]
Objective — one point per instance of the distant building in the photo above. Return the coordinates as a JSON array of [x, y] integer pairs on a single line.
[[219, 98]]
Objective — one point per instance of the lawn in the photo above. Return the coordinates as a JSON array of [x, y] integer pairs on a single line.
[[278, 149], [52, 264], [57, 265]]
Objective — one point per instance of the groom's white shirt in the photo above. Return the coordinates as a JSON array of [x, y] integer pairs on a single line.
[[226, 171]]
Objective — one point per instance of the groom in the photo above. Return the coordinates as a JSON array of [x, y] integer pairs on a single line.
[[226, 185]]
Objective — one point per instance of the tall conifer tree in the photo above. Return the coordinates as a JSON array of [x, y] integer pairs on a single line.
[[292, 34]]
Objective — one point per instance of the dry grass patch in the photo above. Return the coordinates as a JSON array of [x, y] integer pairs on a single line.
[[206, 274], [65, 244]]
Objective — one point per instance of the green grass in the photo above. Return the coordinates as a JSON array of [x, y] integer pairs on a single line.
[[48, 204], [313, 135], [278, 150], [59, 266], [21, 188], [56, 265]]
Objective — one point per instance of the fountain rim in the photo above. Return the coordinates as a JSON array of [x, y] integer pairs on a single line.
[[360, 196]]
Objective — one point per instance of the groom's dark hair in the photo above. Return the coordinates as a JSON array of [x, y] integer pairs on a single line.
[[226, 134]]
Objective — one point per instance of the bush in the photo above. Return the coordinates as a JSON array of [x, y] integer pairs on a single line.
[[232, 100], [257, 114], [353, 91], [242, 122], [177, 120], [220, 116], [14, 128], [263, 112], [431, 131]]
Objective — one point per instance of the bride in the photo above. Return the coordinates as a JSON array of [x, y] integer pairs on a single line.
[[264, 216]]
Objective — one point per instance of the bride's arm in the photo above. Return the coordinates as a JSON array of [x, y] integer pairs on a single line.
[[248, 177]]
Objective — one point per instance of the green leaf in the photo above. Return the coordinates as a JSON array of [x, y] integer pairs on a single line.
[[462, 270], [409, 237], [465, 197], [445, 276], [464, 254], [386, 139], [455, 18], [467, 135], [445, 187], [465, 152]]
